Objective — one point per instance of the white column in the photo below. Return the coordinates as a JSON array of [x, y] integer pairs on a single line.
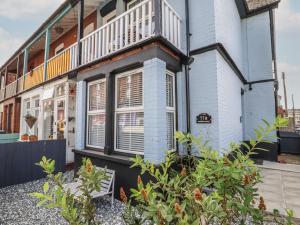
[[80, 115], [155, 119]]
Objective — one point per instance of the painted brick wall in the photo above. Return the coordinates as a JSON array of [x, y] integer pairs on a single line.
[[258, 48], [202, 23], [204, 96], [229, 104], [155, 119], [229, 29], [81, 89]]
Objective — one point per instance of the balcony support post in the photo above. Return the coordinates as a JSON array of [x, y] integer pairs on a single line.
[[5, 81], [25, 61], [47, 48], [158, 17], [80, 30]]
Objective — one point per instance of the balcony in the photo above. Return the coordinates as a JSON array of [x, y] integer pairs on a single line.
[[128, 29]]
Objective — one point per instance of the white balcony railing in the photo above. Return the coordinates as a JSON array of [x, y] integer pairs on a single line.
[[11, 89], [133, 26], [20, 87], [171, 24]]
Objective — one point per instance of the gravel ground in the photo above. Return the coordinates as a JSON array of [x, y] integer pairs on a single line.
[[18, 208]]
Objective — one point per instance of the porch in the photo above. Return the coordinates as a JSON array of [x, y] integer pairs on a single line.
[[136, 25]]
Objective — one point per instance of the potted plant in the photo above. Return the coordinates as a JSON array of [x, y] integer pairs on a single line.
[[33, 138], [24, 137]]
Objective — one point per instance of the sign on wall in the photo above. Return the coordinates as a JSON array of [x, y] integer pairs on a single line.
[[203, 118]]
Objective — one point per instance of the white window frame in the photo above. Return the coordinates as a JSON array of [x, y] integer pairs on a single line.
[[172, 109], [59, 48], [108, 17], [131, 3], [127, 109], [88, 29], [92, 113]]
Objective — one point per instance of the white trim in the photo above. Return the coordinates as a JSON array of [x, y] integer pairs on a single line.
[[95, 112], [108, 17], [173, 109], [127, 109], [59, 48]]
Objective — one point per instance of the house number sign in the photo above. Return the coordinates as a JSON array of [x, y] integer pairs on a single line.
[[203, 118]]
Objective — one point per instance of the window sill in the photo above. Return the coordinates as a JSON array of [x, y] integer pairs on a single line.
[[99, 154]]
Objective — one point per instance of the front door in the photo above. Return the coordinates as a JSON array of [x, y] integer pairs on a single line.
[[60, 118]]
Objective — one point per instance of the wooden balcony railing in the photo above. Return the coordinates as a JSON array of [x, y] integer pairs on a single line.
[[2, 94], [62, 63], [20, 87], [35, 77], [11, 89]]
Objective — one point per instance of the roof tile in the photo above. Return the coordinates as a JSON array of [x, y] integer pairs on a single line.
[[256, 4]]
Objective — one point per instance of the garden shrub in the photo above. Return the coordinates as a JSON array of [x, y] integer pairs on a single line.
[[76, 210], [218, 188]]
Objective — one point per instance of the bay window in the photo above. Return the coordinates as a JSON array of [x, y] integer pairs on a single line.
[[170, 100], [96, 114], [129, 112]]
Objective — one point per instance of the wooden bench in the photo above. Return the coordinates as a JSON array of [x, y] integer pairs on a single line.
[[107, 186]]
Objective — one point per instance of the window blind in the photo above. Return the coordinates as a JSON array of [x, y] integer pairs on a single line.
[[170, 104], [129, 121], [96, 114]]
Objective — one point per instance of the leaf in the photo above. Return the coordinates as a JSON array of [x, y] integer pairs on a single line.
[[46, 187]]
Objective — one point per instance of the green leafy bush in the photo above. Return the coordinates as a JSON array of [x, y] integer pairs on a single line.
[[76, 210], [219, 188]]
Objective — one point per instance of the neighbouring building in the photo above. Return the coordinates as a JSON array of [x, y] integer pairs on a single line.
[[296, 118], [116, 78]]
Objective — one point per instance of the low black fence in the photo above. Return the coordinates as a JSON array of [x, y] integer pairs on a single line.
[[289, 143], [17, 160]]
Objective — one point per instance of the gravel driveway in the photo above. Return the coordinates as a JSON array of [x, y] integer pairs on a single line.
[[18, 208]]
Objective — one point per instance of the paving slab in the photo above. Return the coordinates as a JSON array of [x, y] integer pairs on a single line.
[[280, 187]]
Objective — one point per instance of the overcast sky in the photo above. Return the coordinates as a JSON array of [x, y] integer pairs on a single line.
[[20, 18]]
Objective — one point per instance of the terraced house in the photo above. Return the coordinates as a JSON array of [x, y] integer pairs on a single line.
[[116, 78]]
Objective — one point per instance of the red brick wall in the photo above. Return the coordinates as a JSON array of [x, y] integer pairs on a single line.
[[68, 39]]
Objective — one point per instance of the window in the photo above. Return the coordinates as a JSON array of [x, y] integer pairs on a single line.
[[129, 112], [36, 111], [59, 48], [133, 3], [88, 29], [27, 111], [96, 114], [170, 100], [109, 17]]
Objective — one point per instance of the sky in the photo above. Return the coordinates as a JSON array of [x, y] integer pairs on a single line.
[[20, 18]]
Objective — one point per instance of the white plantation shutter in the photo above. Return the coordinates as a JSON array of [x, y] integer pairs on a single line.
[[129, 112], [96, 114], [170, 104]]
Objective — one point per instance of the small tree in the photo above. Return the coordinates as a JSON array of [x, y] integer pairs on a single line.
[[216, 189], [76, 210]]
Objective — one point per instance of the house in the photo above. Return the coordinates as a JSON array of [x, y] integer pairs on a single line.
[[117, 78]]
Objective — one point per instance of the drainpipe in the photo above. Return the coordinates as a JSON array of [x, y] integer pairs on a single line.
[[272, 28], [187, 70]]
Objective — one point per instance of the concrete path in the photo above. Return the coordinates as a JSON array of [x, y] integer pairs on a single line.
[[281, 187]]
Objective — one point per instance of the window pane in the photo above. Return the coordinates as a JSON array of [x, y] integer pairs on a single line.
[[48, 119], [130, 131], [96, 130], [169, 90], [170, 131], [130, 91], [97, 96]]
